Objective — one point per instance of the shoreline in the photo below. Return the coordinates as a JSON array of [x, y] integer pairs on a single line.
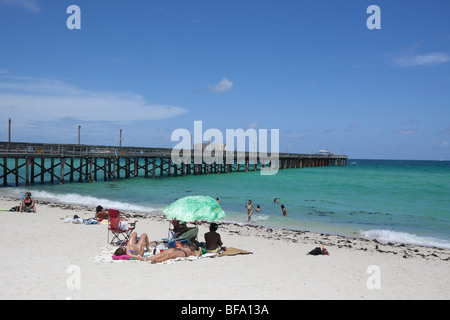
[[289, 235]]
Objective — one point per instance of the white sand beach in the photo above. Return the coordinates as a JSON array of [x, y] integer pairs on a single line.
[[45, 258]]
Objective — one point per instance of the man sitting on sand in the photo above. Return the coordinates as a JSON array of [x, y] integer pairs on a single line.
[[212, 239], [173, 253]]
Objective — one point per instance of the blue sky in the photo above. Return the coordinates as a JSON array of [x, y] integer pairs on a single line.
[[311, 69]]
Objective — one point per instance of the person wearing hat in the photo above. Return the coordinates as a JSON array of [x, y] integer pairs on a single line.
[[28, 203], [101, 213]]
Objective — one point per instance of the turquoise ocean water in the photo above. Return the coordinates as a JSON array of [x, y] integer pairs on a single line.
[[388, 200]]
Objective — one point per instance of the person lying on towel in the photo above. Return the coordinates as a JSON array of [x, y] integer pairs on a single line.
[[134, 249], [172, 253]]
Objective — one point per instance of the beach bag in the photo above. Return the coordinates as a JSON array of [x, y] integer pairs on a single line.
[[123, 225], [317, 252], [77, 220], [15, 209]]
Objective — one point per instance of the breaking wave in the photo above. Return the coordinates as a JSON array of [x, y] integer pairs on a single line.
[[404, 237]]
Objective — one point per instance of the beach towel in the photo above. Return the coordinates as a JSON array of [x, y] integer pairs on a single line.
[[233, 252], [107, 255], [91, 221], [17, 208]]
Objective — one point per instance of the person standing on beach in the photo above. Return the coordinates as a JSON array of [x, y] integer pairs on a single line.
[[284, 210], [249, 207]]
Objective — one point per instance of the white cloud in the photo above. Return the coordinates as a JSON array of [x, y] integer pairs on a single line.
[[429, 59], [29, 5], [410, 57], [47, 100], [405, 130], [223, 86]]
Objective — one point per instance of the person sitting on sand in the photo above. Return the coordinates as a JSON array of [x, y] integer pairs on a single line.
[[213, 241], [172, 253], [101, 213], [27, 203], [134, 249]]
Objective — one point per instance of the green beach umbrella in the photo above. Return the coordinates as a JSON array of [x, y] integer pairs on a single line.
[[193, 208]]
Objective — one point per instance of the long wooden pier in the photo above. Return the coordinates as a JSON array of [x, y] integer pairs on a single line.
[[30, 163]]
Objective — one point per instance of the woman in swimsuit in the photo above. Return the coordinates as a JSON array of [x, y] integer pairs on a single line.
[[249, 208], [173, 253], [134, 249], [28, 203]]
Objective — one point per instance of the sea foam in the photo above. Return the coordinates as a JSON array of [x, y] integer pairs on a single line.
[[404, 237], [77, 199]]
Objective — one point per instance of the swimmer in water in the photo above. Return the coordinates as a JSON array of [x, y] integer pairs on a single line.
[[284, 210]]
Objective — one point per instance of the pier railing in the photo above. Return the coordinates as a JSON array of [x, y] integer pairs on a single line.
[[29, 162], [46, 149], [68, 150]]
